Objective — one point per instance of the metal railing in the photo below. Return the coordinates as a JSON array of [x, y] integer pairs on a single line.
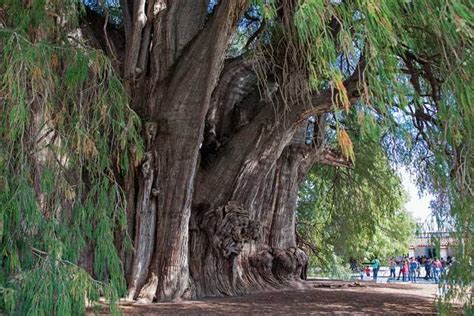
[[433, 235]]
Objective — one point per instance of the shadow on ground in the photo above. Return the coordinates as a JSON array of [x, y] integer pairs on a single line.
[[319, 298]]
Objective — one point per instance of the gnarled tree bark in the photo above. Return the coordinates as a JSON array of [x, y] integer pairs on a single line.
[[214, 199]]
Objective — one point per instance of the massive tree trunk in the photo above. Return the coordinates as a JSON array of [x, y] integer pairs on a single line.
[[242, 231], [212, 205], [177, 104]]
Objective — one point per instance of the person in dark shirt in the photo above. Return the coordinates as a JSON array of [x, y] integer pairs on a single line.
[[400, 272], [375, 267], [428, 269], [412, 272], [393, 266]]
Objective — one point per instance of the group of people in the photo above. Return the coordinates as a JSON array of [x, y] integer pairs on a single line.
[[375, 268], [409, 268]]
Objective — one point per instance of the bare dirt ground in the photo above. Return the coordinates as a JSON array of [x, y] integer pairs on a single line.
[[317, 297]]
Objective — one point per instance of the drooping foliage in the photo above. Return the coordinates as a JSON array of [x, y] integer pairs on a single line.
[[417, 81], [66, 131], [354, 212]]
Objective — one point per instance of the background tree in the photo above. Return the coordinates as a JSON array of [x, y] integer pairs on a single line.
[[356, 212], [141, 149]]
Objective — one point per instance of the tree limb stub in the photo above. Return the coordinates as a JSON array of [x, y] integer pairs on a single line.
[[133, 49], [330, 157], [139, 40]]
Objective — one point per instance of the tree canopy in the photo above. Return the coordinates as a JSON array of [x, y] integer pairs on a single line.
[[151, 148]]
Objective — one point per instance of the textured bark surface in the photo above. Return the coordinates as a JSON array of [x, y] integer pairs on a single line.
[[211, 207]]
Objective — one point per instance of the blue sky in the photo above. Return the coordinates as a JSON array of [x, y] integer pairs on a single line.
[[417, 205]]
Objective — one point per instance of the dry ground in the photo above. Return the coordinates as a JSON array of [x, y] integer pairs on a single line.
[[317, 297]]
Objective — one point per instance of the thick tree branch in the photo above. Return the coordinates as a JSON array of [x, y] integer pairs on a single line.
[[324, 101], [256, 34], [331, 158], [181, 25], [138, 41], [204, 56], [127, 19], [133, 47], [102, 35], [255, 145], [235, 83]]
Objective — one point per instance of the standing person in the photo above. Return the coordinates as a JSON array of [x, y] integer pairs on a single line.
[[418, 267], [428, 264], [353, 264], [375, 267], [436, 270], [361, 272], [393, 266], [405, 270], [413, 266], [400, 272], [443, 265], [423, 260], [410, 271], [367, 271]]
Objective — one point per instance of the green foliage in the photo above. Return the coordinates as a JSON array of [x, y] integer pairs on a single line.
[[334, 268], [419, 81], [53, 287], [355, 212], [66, 132]]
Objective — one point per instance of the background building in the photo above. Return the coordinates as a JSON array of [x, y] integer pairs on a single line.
[[434, 244]]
